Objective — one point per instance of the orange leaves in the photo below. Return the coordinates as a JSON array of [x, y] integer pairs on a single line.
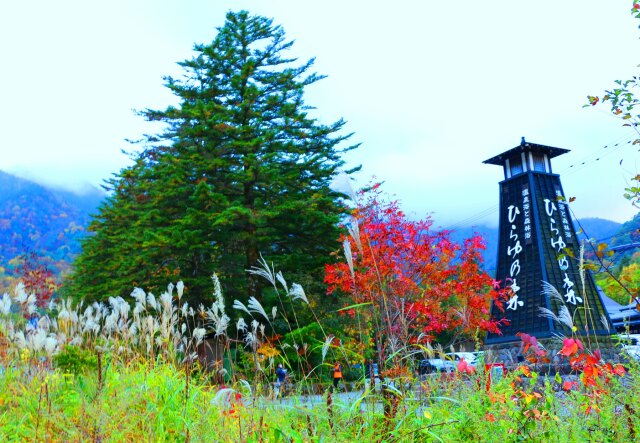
[[570, 347], [618, 370], [489, 417]]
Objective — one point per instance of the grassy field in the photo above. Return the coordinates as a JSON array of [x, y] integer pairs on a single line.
[[106, 373]]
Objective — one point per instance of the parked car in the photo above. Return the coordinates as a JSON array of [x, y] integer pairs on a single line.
[[469, 357], [435, 365]]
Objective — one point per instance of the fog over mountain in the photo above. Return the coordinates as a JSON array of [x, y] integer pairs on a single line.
[[46, 221], [51, 221]]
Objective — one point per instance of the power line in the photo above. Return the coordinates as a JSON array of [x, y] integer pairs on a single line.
[[595, 156]]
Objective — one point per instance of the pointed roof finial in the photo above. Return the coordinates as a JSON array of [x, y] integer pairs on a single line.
[[522, 142]]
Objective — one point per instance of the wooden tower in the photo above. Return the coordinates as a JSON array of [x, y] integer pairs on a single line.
[[537, 244]]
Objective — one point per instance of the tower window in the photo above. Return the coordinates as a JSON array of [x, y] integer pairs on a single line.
[[538, 163], [515, 165]]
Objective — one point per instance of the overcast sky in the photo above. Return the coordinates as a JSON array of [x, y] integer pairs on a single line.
[[430, 88]]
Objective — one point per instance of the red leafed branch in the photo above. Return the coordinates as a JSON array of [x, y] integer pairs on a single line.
[[37, 278], [417, 278]]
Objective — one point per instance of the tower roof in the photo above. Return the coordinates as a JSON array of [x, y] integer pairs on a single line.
[[525, 146]]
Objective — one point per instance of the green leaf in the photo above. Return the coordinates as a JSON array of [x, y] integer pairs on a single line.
[[356, 306]]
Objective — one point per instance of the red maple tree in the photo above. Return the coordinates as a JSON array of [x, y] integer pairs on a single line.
[[37, 278], [417, 281]]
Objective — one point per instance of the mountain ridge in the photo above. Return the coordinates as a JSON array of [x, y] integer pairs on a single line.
[[41, 220]]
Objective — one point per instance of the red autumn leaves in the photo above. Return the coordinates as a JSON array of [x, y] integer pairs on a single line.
[[406, 266]]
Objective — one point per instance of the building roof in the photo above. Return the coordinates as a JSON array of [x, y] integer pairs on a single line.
[[525, 147]]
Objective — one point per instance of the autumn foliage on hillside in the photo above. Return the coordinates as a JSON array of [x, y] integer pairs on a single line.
[[417, 280]]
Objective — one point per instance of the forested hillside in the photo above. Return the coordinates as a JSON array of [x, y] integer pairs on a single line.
[[45, 221]]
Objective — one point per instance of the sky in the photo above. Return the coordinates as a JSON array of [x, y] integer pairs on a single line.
[[430, 88]]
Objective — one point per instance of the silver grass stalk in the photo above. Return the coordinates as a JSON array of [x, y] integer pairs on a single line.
[[217, 292], [325, 346], [247, 387], [5, 304], [581, 268], [223, 397], [237, 304], [151, 301], [166, 301], [138, 309], [170, 288], [605, 322], [342, 183], [241, 325], [184, 309], [250, 340], [565, 317], [551, 291], [282, 281], [346, 245], [20, 340], [140, 297], [354, 231], [297, 293], [19, 294], [548, 313], [222, 325], [274, 311], [50, 345], [180, 289], [198, 335], [264, 271], [255, 306]]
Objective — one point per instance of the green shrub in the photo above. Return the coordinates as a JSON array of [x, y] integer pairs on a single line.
[[75, 360]]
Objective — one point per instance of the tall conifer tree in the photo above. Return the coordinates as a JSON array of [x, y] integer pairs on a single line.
[[240, 170]]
